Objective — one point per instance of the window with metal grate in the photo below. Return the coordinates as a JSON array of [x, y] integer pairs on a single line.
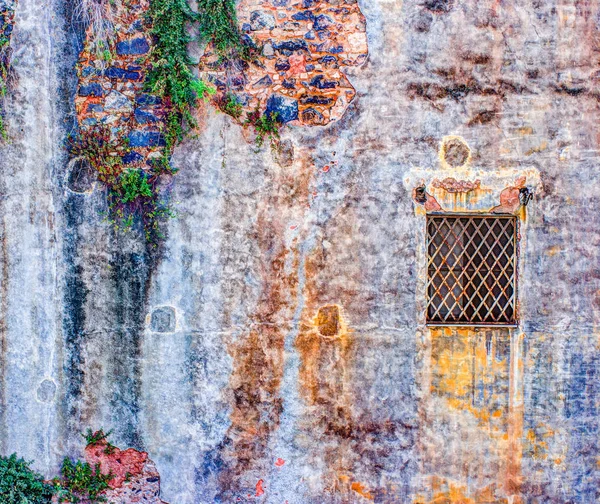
[[471, 269]]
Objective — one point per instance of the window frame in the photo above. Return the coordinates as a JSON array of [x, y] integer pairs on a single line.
[[514, 323]]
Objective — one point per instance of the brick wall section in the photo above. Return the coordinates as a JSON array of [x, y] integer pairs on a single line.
[[306, 45], [7, 19], [111, 89], [136, 478]]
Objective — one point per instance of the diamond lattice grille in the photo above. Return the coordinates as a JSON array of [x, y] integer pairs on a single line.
[[471, 269]]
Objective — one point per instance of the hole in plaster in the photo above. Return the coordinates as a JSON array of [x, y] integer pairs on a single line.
[[284, 154], [455, 152], [81, 177], [46, 391], [328, 320], [163, 319], [439, 6]]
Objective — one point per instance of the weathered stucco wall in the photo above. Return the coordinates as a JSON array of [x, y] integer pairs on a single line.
[[288, 360]]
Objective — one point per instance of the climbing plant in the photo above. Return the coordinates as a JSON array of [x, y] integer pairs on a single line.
[[169, 83], [218, 25], [130, 192], [170, 76]]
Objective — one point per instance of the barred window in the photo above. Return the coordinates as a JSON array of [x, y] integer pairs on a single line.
[[472, 264]]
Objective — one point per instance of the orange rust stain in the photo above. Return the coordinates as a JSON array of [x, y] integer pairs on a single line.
[[362, 490], [259, 488], [449, 493], [279, 462], [258, 355], [324, 345]]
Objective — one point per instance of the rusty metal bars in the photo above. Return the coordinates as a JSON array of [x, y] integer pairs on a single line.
[[471, 270]]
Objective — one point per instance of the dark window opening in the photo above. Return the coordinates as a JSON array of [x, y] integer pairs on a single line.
[[471, 270]]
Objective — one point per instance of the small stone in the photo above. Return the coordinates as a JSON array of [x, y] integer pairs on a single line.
[[163, 320], [132, 157], [322, 22], [133, 47], [285, 108], [282, 65], [289, 46], [147, 99], [303, 16], [86, 71], [139, 138], [264, 82], [94, 107], [315, 100], [143, 117], [289, 83], [320, 83], [115, 73], [121, 73], [116, 101], [290, 26], [260, 20], [93, 89], [81, 175], [110, 119], [137, 25], [312, 116], [268, 50]]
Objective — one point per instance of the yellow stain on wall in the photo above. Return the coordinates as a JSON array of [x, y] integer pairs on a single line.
[[446, 492], [467, 368], [540, 148], [552, 251]]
